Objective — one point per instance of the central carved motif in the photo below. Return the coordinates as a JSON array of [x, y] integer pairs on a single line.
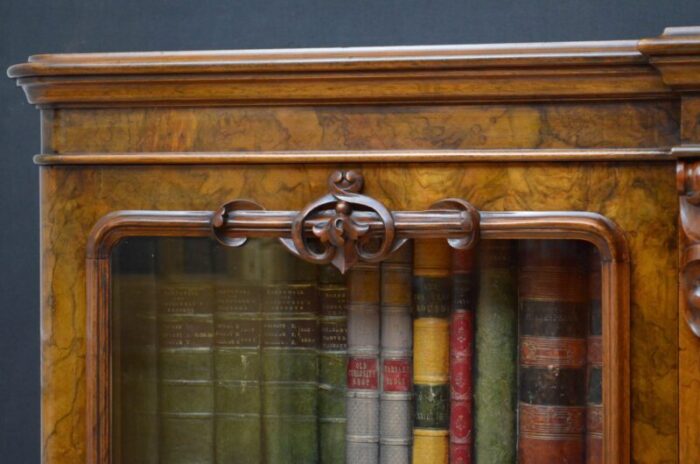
[[343, 239], [344, 226]]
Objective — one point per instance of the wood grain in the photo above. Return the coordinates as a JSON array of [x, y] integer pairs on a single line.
[[651, 124], [640, 198], [689, 232]]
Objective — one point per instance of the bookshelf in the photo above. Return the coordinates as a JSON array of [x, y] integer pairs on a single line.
[[229, 333]]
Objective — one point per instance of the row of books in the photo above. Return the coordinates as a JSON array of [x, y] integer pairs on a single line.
[[252, 356]]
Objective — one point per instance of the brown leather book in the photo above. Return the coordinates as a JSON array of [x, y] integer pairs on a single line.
[[553, 312], [594, 390]]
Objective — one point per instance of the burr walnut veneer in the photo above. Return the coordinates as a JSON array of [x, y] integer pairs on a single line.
[[594, 141]]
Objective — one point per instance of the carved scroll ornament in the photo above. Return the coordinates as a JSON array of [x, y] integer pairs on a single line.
[[688, 181], [344, 226]]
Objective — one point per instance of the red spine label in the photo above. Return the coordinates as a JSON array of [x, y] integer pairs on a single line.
[[461, 338], [397, 375], [595, 350], [362, 373]]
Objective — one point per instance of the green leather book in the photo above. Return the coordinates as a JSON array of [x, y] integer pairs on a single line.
[[135, 387], [290, 343], [237, 327], [332, 363], [186, 334], [495, 380]]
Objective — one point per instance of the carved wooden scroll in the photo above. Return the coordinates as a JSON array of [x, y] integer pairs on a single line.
[[344, 226], [688, 181]]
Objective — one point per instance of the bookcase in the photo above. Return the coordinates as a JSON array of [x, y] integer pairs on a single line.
[[481, 253]]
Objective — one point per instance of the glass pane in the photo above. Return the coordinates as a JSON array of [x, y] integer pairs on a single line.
[[250, 355]]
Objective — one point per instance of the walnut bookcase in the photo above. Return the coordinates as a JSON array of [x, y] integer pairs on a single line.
[[592, 141]]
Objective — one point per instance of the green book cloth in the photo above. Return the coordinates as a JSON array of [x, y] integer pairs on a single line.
[[237, 362], [495, 378], [332, 364], [185, 342], [135, 387], [290, 343]]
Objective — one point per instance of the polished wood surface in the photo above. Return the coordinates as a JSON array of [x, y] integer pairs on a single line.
[[384, 74], [370, 156], [639, 198], [579, 127], [639, 124]]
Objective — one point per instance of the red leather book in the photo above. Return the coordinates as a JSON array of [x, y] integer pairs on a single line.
[[461, 357]]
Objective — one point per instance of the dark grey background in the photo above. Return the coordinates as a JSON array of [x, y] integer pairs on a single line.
[[49, 26]]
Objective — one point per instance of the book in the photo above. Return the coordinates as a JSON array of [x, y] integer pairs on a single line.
[[290, 344], [594, 374], [237, 328], [395, 409], [432, 299], [185, 342], [332, 365], [362, 404], [135, 363], [495, 363], [462, 356], [553, 312]]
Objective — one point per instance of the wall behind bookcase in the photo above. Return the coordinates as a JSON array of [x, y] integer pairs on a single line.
[[50, 26]]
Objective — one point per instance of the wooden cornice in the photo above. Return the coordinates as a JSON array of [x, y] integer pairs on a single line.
[[676, 54], [466, 73]]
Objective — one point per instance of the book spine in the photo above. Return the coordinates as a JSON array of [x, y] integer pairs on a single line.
[[431, 302], [552, 350], [495, 378], [186, 335], [395, 409], [362, 405], [135, 312], [237, 328], [461, 357], [594, 393], [333, 359], [290, 343]]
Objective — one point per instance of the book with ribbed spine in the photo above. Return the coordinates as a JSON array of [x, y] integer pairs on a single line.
[[594, 389], [553, 311], [395, 431], [290, 344], [332, 364], [495, 363], [362, 405], [432, 299], [461, 356], [237, 328], [185, 343], [134, 316]]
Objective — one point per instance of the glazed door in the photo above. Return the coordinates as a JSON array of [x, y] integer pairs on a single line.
[[348, 331]]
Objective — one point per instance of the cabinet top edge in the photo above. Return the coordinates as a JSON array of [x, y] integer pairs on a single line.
[[429, 57], [330, 59], [623, 69]]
